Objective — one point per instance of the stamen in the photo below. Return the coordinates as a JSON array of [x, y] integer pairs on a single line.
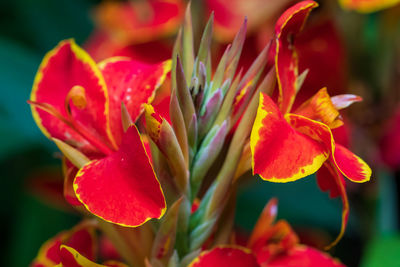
[[77, 96], [73, 125], [51, 110]]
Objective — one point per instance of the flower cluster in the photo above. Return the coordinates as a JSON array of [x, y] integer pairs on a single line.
[[160, 185]]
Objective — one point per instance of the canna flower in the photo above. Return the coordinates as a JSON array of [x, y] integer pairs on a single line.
[[270, 244], [77, 104], [287, 146]]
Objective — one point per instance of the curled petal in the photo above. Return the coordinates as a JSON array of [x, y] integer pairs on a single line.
[[286, 62], [69, 82], [122, 188], [320, 107], [70, 172], [225, 256], [331, 180], [72, 258], [132, 82], [352, 166], [279, 153], [267, 217]]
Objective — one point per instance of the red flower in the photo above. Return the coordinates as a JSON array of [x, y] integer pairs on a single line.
[[77, 102], [75, 247], [290, 146], [270, 244]]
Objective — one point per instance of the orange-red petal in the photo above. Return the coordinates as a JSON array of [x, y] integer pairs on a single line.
[[279, 152], [122, 188], [141, 21], [132, 82], [320, 107], [64, 67], [305, 257], [287, 27], [229, 256], [352, 166]]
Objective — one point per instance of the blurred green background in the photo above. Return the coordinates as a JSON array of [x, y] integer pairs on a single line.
[[29, 28]]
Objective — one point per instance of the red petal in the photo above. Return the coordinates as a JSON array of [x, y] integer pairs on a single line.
[[133, 83], [281, 154], [70, 257], [64, 67], [81, 238], [139, 22], [331, 180], [225, 257], [305, 257], [353, 167], [287, 27], [122, 188]]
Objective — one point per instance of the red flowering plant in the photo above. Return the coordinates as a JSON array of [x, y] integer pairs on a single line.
[[162, 190]]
